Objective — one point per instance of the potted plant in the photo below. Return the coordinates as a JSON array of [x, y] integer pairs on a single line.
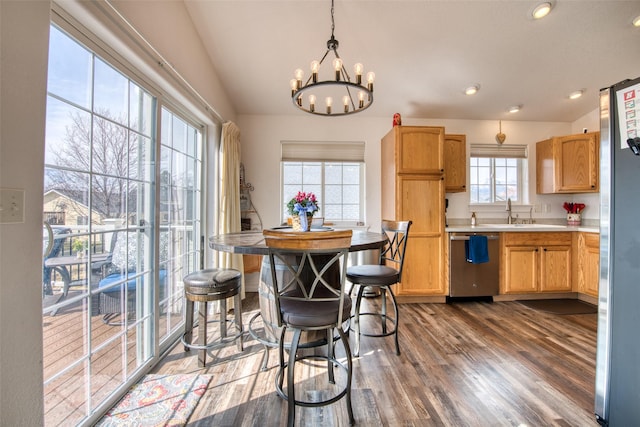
[[78, 246], [301, 209]]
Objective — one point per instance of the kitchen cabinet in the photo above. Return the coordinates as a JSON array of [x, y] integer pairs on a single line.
[[455, 163], [535, 263], [568, 164], [588, 265], [412, 185]]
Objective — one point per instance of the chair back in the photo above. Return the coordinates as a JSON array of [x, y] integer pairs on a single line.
[[393, 253], [316, 263]]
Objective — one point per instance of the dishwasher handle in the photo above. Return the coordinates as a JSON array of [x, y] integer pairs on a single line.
[[489, 237]]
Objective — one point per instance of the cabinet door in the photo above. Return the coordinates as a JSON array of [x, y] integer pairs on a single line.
[[544, 167], [424, 266], [590, 264], [422, 201], [455, 163], [521, 269], [420, 149], [577, 162], [555, 269]]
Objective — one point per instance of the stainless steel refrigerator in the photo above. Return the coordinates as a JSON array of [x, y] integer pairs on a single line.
[[617, 388]]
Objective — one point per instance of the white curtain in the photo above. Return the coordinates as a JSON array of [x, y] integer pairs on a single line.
[[229, 213]]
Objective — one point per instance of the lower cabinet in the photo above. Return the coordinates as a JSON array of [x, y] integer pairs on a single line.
[[588, 270], [535, 262]]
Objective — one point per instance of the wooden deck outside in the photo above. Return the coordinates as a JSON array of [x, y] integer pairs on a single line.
[[464, 364], [66, 398]]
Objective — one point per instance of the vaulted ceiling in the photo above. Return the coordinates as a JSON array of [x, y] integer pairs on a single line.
[[425, 53]]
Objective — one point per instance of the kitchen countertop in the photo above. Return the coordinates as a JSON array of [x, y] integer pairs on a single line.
[[501, 228]]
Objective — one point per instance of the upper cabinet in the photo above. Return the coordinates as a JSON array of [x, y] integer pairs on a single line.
[[568, 164], [455, 163], [419, 149]]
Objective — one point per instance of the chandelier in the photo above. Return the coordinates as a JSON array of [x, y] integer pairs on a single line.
[[355, 96]]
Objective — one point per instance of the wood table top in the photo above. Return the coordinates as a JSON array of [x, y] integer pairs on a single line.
[[252, 242]]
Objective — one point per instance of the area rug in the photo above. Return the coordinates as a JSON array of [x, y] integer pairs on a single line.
[[561, 306], [158, 400]]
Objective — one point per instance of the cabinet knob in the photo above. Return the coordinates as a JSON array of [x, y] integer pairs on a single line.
[[545, 249], [536, 249], [593, 186], [442, 170]]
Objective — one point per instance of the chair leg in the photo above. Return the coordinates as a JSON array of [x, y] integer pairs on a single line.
[[202, 333], [237, 308], [188, 323], [397, 317], [223, 319], [383, 317], [357, 320], [330, 356], [291, 396], [345, 341], [280, 378]]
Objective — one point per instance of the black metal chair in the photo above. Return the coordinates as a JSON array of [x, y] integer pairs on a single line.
[[382, 276], [311, 298]]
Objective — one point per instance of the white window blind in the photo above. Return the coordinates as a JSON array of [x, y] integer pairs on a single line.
[[510, 151], [295, 151]]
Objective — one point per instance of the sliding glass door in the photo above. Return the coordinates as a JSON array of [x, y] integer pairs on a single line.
[[121, 227]]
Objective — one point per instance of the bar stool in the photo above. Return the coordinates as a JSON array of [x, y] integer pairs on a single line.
[[213, 284]]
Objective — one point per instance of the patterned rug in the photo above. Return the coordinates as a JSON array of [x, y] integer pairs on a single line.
[[158, 400]]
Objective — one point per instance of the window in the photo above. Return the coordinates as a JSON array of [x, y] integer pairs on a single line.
[[108, 312], [497, 173], [334, 172]]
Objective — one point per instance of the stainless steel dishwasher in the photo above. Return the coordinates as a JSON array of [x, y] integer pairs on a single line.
[[473, 280]]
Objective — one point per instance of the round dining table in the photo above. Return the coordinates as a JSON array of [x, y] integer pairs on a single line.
[[252, 243]]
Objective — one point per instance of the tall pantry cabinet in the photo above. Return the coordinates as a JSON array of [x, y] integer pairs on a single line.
[[413, 189]]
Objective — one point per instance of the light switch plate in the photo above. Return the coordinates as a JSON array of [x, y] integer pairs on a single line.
[[11, 205]]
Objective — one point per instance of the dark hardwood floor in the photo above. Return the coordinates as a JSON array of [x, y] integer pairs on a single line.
[[462, 364]]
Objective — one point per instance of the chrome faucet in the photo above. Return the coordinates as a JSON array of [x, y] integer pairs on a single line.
[[509, 216]]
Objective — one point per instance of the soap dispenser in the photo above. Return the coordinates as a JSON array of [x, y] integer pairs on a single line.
[[473, 219]]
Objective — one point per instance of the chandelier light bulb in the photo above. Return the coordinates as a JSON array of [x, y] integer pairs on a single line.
[[361, 96], [315, 68], [371, 76], [299, 74], [329, 102], [358, 69], [636, 21], [345, 101], [294, 86], [337, 65], [312, 103]]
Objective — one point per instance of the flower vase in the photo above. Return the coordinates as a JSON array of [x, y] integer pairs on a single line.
[[297, 224], [574, 219]]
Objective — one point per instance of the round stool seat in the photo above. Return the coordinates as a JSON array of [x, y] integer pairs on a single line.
[[213, 283], [204, 286]]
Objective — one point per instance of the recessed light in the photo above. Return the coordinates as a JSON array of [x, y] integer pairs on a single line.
[[515, 108], [541, 10], [472, 90], [576, 94], [636, 21]]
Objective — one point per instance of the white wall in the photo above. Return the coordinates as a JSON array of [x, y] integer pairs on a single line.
[[261, 137], [24, 35]]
